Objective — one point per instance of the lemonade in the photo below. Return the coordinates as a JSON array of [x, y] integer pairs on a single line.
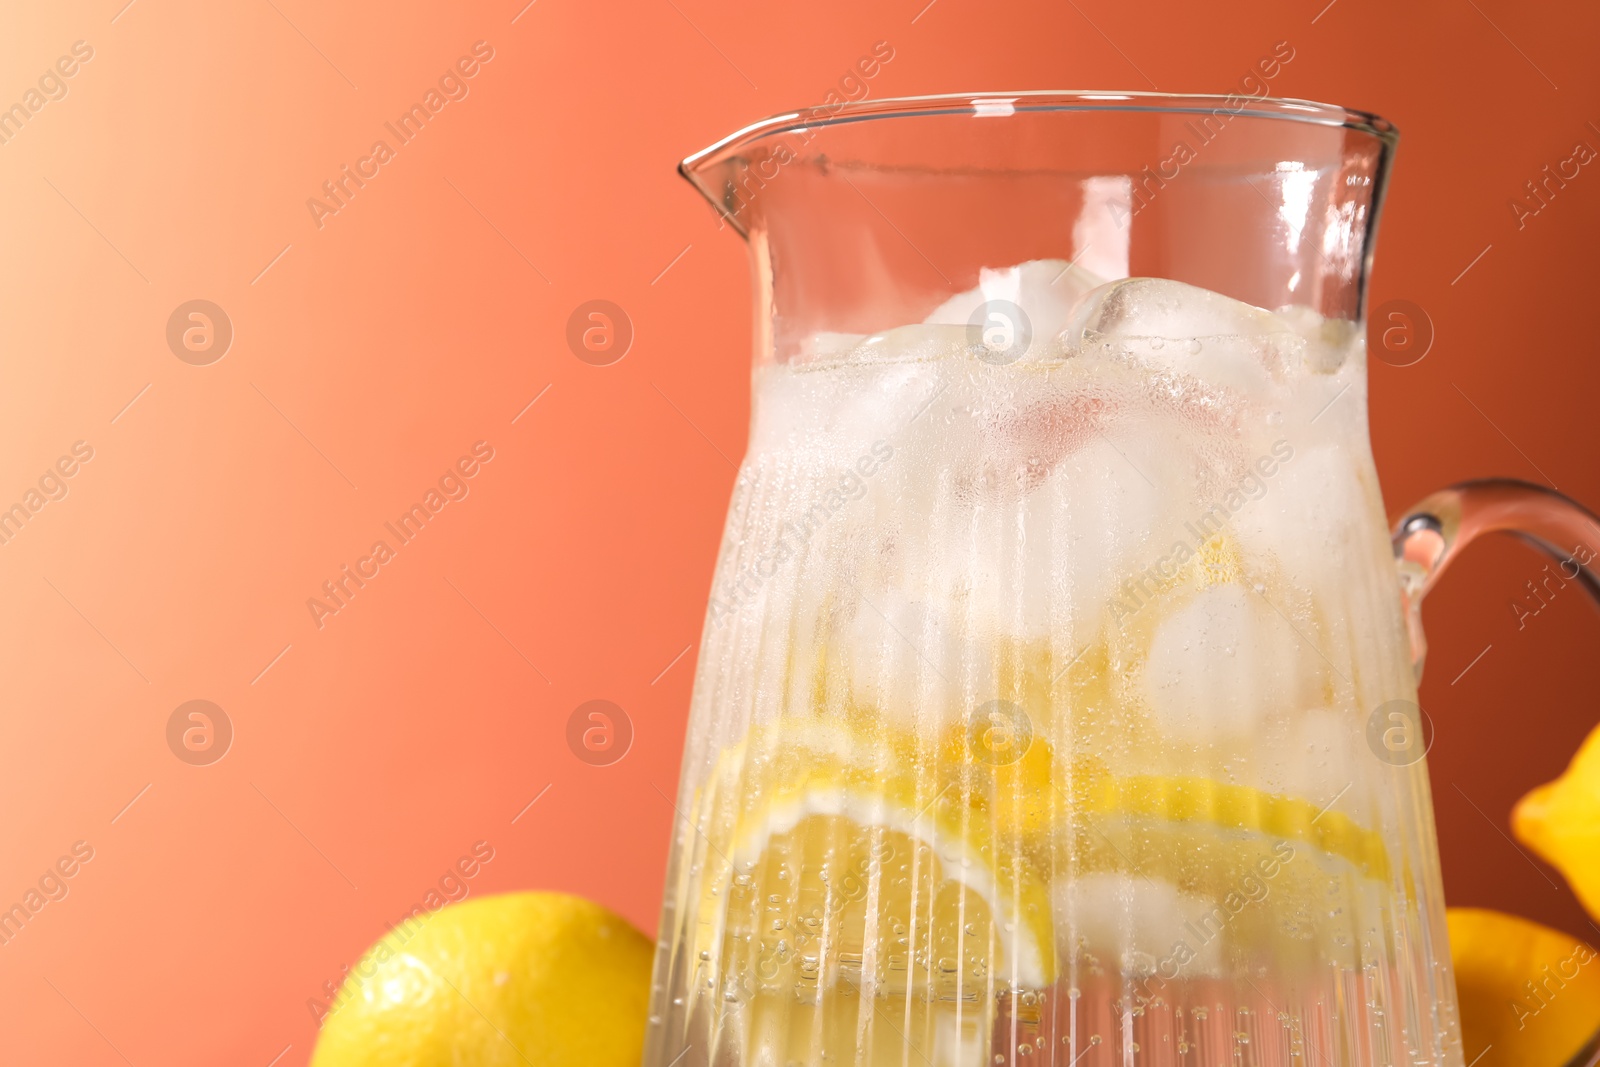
[[1031, 718]]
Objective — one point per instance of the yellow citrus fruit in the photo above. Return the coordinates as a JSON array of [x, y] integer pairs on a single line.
[[855, 859], [826, 804], [850, 876], [1530, 995], [541, 979], [1561, 822], [966, 831]]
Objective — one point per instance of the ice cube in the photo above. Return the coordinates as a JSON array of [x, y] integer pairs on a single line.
[[897, 647], [1312, 755], [1045, 290], [1220, 664], [917, 343], [828, 346], [1186, 330], [1042, 562], [1107, 515], [959, 1040], [1316, 514], [1329, 342], [835, 418], [1135, 922]]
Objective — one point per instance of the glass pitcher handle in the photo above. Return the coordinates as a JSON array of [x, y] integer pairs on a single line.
[[1437, 529]]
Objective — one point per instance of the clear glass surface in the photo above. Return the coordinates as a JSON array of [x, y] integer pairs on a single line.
[[1056, 701]]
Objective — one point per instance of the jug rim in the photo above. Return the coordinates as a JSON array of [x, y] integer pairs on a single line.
[[1000, 104]]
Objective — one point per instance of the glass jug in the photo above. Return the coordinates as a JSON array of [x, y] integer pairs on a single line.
[[1057, 698]]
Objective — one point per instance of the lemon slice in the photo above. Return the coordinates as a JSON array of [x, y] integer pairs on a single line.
[[870, 902], [1205, 802], [864, 859], [867, 888], [888, 878]]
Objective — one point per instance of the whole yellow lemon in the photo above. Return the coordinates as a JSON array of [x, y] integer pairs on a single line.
[[1561, 822], [1530, 995], [519, 980]]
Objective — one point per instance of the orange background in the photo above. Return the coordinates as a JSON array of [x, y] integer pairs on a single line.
[[429, 311]]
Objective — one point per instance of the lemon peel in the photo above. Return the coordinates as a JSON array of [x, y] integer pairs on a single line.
[[1560, 821], [544, 979], [1529, 995]]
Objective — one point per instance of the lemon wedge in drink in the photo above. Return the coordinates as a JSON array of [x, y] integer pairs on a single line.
[[869, 888], [868, 902], [901, 872], [928, 869]]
